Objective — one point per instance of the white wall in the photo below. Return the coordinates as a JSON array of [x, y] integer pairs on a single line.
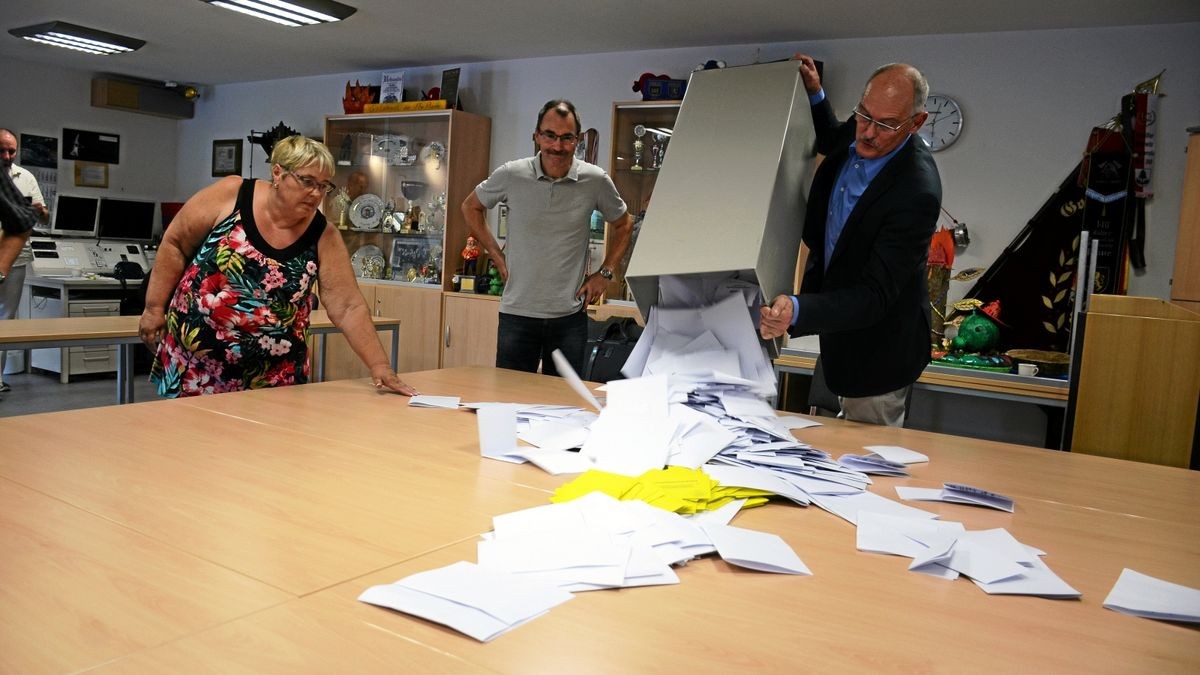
[[41, 100], [1029, 99]]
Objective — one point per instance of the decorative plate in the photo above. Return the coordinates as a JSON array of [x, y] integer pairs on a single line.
[[366, 212], [368, 262], [434, 152]]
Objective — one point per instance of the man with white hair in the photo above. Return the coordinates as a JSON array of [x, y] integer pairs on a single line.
[[872, 210]]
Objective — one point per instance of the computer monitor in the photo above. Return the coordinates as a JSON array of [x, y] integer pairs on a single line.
[[126, 219], [74, 216]]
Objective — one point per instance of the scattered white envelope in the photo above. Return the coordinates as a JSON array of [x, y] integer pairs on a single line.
[[1145, 596], [898, 535], [873, 464], [896, 453], [797, 422], [754, 550], [1035, 579], [498, 432], [957, 493], [554, 462], [478, 602], [554, 435], [427, 401], [848, 506], [628, 444], [756, 479]]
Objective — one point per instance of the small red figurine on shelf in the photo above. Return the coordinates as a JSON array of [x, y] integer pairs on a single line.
[[469, 255]]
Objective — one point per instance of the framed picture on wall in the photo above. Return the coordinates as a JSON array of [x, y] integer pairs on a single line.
[[227, 157], [91, 174]]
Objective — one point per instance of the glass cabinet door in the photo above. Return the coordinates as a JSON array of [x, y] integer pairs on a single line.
[[641, 137], [400, 183]]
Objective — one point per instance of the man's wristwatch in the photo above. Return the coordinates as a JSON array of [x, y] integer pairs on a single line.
[[603, 271], [4, 276]]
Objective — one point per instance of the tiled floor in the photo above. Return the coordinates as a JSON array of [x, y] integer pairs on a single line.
[[42, 392]]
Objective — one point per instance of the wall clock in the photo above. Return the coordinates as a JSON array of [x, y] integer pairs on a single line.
[[944, 124]]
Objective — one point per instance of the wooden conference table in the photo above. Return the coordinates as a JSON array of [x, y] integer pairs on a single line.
[[122, 331], [233, 533]]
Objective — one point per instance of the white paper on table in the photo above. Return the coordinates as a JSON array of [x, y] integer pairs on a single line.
[[756, 479], [848, 506], [504, 596], [498, 432], [968, 494], [645, 396], [669, 527], [469, 621], [977, 561], [481, 603], [555, 435], [564, 516], [554, 462], [797, 422], [1000, 542], [896, 453], [609, 514], [896, 535], [722, 515], [1146, 596], [700, 444], [628, 444], [819, 486], [959, 494], [754, 550], [919, 494], [873, 465], [579, 555], [1037, 579], [427, 401]]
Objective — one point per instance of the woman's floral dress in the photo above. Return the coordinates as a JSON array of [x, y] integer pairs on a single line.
[[239, 317]]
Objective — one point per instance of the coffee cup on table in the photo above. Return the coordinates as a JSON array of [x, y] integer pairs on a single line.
[[1027, 369]]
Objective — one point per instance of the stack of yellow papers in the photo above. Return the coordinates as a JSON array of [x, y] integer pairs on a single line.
[[674, 488]]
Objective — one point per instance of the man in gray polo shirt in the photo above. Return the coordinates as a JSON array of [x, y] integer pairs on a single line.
[[550, 199]]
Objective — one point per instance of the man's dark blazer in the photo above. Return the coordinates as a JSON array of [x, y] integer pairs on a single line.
[[871, 305]]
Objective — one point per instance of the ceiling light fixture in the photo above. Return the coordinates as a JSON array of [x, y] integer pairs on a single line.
[[78, 38], [294, 13]]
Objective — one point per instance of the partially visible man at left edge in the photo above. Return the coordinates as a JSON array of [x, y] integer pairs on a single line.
[[21, 206]]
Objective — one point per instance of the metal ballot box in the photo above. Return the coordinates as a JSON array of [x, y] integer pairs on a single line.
[[729, 203]]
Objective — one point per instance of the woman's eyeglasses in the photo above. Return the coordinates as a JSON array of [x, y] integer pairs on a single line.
[[324, 187]]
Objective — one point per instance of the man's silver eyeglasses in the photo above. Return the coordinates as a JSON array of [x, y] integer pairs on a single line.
[[550, 137], [324, 187], [863, 117]]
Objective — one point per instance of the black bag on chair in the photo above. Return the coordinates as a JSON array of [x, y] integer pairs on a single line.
[[608, 349]]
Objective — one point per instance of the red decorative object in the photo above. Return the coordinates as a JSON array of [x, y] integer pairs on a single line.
[[356, 97]]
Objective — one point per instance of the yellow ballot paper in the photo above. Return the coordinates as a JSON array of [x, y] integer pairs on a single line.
[[674, 488]]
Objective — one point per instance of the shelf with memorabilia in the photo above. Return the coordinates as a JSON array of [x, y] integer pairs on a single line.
[[641, 135], [401, 178]]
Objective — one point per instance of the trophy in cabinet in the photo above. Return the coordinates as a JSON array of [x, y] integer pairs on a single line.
[[638, 146], [413, 191], [658, 148]]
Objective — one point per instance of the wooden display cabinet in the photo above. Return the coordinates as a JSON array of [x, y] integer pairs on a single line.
[[637, 185], [469, 329], [427, 159]]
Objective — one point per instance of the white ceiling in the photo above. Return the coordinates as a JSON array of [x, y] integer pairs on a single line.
[[190, 41]]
